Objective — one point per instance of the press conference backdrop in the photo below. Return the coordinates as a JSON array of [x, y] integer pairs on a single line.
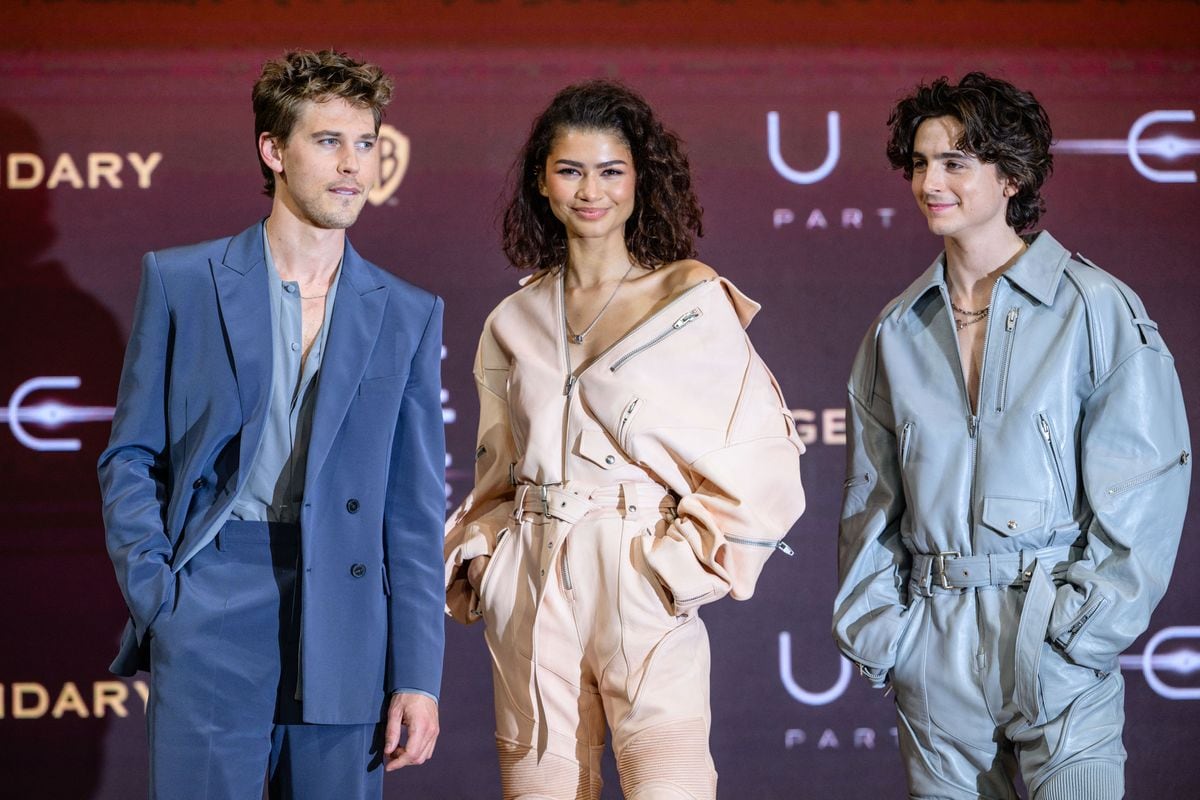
[[125, 126]]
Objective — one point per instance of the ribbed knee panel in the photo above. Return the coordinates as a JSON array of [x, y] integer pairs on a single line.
[[522, 777], [668, 761], [1087, 780]]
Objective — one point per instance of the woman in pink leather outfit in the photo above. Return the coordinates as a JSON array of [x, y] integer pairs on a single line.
[[636, 460]]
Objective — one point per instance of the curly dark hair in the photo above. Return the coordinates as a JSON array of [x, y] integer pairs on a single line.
[[1002, 125], [666, 217], [285, 83]]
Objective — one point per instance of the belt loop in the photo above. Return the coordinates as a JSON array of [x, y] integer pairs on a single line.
[[629, 497], [921, 576], [518, 511]]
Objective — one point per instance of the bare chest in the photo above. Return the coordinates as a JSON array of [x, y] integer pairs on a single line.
[[970, 352]]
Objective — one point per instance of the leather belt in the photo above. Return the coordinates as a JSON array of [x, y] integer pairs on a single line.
[[571, 502], [951, 571]]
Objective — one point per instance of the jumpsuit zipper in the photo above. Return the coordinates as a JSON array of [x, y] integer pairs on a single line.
[[1154, 474], [905, 439], [572, 376], [1055, 459], [682, 322], [771, 544], [1010, 333], [972, 418], [1065, 638], [566, 572], [627, 417]]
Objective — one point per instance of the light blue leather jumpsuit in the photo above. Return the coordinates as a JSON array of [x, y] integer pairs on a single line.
[[993, 565]]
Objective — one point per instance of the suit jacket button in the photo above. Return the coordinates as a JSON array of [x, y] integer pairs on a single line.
[[198, 483], [352, 506], [358, 570]]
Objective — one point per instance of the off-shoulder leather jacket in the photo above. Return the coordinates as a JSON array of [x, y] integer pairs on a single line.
[[1080, 438]]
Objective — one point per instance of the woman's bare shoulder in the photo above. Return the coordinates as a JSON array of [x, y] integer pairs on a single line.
[[680, 275]]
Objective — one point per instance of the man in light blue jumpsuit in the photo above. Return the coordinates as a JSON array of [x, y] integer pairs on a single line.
[[1017, 474]]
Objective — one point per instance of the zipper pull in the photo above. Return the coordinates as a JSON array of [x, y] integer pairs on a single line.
[[1044, 426], [972, 425], [686, 318], [1011, 322], [570, 385], [783, 548]]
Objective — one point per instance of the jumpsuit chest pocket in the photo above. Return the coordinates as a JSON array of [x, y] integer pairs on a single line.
[[596, 447], [1013, 516]]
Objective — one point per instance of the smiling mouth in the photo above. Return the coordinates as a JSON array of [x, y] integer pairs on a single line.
[[346, 191], [590, 213]]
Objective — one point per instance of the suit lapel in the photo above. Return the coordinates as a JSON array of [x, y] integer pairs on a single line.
[[357, 316], [241, 280]]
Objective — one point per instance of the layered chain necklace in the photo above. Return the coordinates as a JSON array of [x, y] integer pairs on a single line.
[[971, 316]]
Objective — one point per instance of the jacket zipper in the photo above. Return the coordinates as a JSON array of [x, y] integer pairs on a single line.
[[572, 378], [1055, 458], [566, 573], [905, 440], [1010, 332], [678, 324], [855, 480], [769, 544], [623, 425], [972, 418], [1146, 477], [1066, 638]]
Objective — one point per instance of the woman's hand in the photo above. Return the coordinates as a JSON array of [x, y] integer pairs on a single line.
[[475, 569]]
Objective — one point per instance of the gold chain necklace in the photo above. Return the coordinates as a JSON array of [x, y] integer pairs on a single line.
[[577, 338]]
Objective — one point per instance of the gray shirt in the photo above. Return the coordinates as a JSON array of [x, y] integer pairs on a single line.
[[274, 488]]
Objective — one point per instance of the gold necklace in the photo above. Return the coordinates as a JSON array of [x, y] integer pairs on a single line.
[[577, 338]]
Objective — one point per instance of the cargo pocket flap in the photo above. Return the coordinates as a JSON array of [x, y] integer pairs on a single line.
[[1011, 516], [596, 447]]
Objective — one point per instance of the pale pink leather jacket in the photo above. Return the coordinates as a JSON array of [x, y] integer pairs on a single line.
[[683, 400]]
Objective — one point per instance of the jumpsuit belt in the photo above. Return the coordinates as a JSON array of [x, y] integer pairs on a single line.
[[562, 505], [1031, 570]]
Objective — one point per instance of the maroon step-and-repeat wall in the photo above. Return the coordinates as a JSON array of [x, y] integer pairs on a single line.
[[126, 126]]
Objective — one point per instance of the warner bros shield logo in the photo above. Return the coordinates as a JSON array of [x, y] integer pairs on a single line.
[[393, 163]]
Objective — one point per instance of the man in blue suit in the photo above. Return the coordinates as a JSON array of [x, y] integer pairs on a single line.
[[273, 488]]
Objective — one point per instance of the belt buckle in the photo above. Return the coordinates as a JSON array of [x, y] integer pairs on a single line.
[[939, 565], [545, 500]]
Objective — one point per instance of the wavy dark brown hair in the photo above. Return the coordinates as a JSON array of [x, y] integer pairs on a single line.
[[1002, 125], [666, 217], [286, 83]]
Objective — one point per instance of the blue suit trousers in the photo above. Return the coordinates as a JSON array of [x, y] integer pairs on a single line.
[[223, 715]]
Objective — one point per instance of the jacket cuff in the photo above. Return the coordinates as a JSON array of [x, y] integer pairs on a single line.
[[477, 539], [675, 565]]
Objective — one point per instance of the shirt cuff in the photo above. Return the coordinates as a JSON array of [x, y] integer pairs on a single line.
[[432, 697]]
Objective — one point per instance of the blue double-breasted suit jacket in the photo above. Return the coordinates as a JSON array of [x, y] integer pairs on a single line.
[[190, 413]]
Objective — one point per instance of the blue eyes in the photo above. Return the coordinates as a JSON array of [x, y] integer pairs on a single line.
[[364, 145]]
